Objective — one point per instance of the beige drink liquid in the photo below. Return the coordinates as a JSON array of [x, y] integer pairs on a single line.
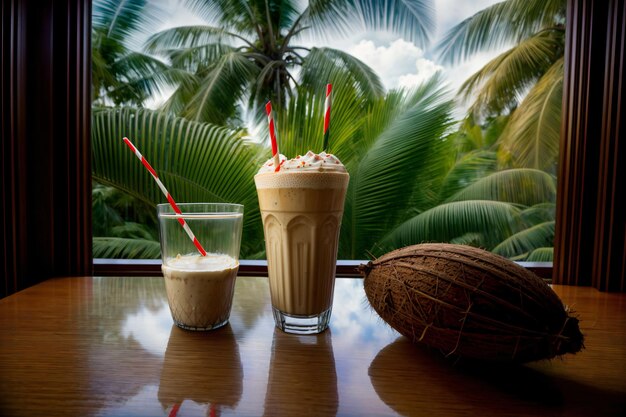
[[200, 289], [301, 212]]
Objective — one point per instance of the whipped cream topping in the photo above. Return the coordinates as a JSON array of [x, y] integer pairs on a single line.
[[322, 162]]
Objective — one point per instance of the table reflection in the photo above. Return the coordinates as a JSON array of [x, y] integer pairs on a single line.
[[291, 354], [426, 383], [108, 347], [203, 367]]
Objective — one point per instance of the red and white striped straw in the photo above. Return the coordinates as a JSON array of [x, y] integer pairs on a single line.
[[327, 102], [182, 221], [270, 121]]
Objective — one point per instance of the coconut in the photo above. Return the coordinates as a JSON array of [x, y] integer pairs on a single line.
[[467, 302]]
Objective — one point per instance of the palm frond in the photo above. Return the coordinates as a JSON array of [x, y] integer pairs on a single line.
[[494, 127], [531, 138], [323, 65], [132, 230], [125, 248], [471, 239], [381, 112], [218, 92], [469, 137], [145, 76], [517, 186], [539, 213], [194, 58], [541, 255], [493, 219], [186, 37], [413, 20], [198, 162], [289, 12], [503, 23], [300, 126], [238, 15], [501, 83], [112, 208], [522, 243], [107, 216], [468, 169], [378, 195], [327, 18], [123, 19]]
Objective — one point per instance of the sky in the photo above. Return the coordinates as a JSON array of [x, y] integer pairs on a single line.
[[398, 62]]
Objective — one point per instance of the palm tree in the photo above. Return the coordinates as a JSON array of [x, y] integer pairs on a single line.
[[407, 184], [120, 74], [526, 80], [253, 49]]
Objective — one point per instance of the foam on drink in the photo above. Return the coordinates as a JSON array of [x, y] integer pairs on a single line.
[[192, 282]]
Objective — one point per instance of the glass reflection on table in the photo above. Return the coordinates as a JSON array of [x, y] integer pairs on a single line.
[[291, 354], [203, 367], [249, 367]]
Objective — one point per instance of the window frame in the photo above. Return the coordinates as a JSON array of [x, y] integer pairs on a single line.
[[46, 149], [247, 267]]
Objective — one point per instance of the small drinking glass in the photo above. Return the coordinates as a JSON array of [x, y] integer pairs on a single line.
[[200, 287]]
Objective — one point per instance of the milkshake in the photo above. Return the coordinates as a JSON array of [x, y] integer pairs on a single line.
[[301, 208], [200, 284], [200, 289]]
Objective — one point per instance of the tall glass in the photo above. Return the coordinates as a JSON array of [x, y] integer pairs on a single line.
[[200, 288], [301, 212]]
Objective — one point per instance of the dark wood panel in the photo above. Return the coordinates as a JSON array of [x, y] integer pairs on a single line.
[[591, 215], [46, 154]]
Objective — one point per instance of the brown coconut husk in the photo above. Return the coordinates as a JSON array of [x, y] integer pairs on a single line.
[[468, 302]]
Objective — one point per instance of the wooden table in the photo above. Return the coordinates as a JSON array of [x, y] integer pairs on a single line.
[[107, 347]]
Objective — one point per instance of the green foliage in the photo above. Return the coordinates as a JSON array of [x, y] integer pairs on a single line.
[[121, 74], [527, 240], [506, 22], [518, 186], [125, 248], [538, 213], [409, 148], [251, 50], [531, 138], [404, 187], [526, 80], [123, 227], [300, 126], [469, 168], [323, 65], [412, 179], [198, 162], [494, 220], [541, 255]]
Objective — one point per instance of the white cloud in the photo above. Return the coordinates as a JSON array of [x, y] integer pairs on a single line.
[[400, 64], [149, 328]]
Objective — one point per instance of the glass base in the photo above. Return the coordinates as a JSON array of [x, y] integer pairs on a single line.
[[200, 329], [290, 323]]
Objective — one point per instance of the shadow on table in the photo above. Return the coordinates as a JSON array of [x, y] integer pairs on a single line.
[[204, 367], [302, 371], [416, 381]]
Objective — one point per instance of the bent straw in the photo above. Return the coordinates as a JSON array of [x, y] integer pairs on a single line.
[[329, 89], [270, 121], [181, 220]]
